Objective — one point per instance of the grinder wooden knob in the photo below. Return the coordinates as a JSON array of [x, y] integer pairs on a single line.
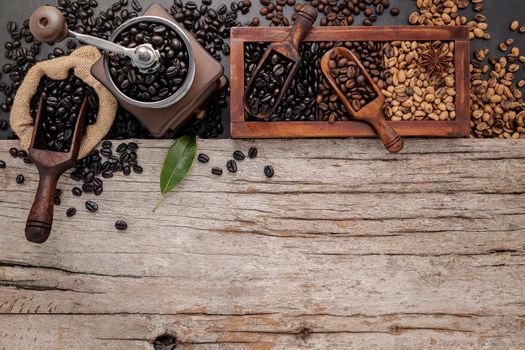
[[47, 24]]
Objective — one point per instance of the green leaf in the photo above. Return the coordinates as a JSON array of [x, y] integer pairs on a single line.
[[177, 164]]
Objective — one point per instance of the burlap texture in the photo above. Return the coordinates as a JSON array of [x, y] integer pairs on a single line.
[[80, 61]]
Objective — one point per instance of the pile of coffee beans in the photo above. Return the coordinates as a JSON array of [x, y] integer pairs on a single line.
[[345, 13], [298, 103], [370, 53], [62, 101], [268, 83], [351, 81], [274, 11], [173, 70]]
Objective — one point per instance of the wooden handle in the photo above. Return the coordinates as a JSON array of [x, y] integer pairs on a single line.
[[48, 25], [306, 17], [40, 220], [390, 138]]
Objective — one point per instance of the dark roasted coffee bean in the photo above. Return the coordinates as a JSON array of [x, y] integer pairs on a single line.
[[395, 11], [203, 158], [135, 4], [71, 212], [98, 191], [252, 153], [107, 174], [126, 170], [106, 152], [13, 152], [268, 171], [58, 201], [3, 124], [137, 169], [122, 148], [20, 179], [238, 155], [121, 225], [92, 206], [216, 171], [2, 164], [11, 26], [231, 165], [107, 144], [132, 146], [77, 192]]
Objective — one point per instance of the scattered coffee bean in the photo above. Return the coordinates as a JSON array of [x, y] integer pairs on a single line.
[[13, 152], [395, 11], [2, 164], [238, 155], [92, 206], [203, 158], [121, 225], [252, 153], [77, 192], [3, 124], [71, 212], [231, 165], [216, 171], [20, 179], [268, 171]]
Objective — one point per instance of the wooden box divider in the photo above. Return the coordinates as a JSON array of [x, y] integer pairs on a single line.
[[241, 128]]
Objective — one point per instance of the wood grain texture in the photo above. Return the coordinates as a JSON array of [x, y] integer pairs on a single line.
[[347, 247], [242, 129]]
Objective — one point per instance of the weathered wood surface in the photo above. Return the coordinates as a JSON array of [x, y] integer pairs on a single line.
[[347, 247]]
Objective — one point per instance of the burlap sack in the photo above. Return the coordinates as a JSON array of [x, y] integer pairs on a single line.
[[81, 61]]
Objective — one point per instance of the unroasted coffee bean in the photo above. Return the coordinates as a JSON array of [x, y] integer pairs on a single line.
[[231, 165], [77, 192], [238, 155], [268, 171], [2, 164], [20, 179], [92, 206], [71, 212], [252, 153], [216, 171], [203, 158], [121, 225]]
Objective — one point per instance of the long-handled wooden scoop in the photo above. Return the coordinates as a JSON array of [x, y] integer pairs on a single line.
[[372, 113], [289, 48], [51, 165]]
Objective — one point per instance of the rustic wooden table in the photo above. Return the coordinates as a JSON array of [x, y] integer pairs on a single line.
[[347, 247]]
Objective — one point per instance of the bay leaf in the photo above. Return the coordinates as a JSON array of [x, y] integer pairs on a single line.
[[177, 164]]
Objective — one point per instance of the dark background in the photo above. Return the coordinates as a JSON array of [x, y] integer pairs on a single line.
[[499, 14]]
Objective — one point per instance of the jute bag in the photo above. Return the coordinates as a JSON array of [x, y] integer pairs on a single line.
[[80, 61]]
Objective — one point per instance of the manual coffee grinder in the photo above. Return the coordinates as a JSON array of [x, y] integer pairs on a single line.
[[162, 118]]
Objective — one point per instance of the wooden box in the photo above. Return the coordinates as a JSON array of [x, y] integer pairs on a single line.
[[241, 128]]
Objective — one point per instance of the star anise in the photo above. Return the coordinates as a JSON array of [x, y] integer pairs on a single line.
[[434, 59]]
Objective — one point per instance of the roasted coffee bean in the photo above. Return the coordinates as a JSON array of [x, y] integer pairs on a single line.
[[2, 164], [231, 165], [268, 171], [20, 179], [98, 191], [92, 206], [122, 148], [253, 152], [137, 169], [216, 171], [135, 4], [132, 146], [131, 81], [3, 124], [13, 152], [107, 174], [395, 11], [126, 170], [203, 158], [71, 212], [107, 144], [27, 160], [298, 102], [62, 101], [77, 192], [121, 225], [238, 155]]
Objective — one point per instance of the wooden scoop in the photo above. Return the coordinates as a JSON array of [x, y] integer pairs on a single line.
[[372, 113], [51, 165], [288, 48]]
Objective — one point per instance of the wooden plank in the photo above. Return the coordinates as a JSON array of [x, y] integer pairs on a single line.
[[347, 247], [242, 129]]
